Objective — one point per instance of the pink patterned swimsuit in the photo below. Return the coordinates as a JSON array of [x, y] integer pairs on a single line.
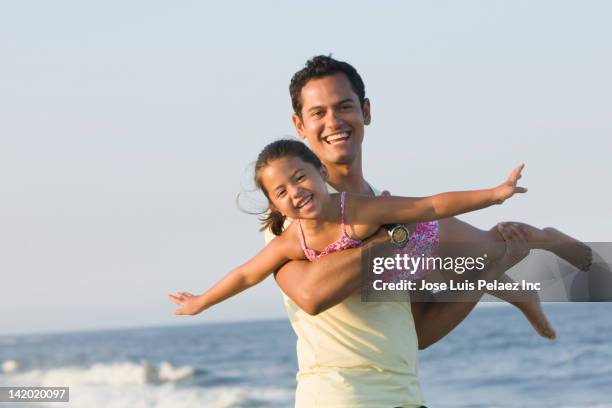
[[345, 241], [423, 242]]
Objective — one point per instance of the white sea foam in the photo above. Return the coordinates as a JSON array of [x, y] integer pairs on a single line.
[[146, 385], [9, 366], [125, 373], [167, 372]]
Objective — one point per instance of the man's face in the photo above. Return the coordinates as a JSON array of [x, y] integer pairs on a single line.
[[332, 119]]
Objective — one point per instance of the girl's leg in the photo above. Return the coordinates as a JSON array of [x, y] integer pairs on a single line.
[[458, 238], [528, 302], [562, 245]]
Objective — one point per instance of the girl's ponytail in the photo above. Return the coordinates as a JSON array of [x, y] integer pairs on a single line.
[[273, 220]]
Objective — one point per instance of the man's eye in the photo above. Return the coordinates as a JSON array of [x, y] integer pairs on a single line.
[[300, 177], [346, 107], [317, 114]]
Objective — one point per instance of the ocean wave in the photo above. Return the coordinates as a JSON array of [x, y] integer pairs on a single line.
[[128, 384], [8, 341], [123, 373], [587, 406]]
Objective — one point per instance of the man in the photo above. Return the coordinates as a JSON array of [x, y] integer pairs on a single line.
[[353, 353]]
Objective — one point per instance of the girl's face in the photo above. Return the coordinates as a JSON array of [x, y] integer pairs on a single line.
[[296, 188]]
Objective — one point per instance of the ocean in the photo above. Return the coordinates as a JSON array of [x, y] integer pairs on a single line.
[[493, 359]]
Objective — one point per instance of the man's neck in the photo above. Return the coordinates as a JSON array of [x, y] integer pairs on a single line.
[[348, 177]]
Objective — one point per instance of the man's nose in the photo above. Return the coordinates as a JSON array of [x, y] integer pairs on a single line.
[[332, 121]]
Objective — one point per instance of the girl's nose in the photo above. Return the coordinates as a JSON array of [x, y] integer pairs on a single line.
[[296, 192]]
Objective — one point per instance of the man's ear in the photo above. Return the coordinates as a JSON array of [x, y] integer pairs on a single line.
[[367, 116], [299, 125], [324, 172]]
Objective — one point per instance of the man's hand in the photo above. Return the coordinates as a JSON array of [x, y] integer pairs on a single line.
[[380, 237], [517, 247]]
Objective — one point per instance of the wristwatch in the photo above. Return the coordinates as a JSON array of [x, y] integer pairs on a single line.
[[399, 234]]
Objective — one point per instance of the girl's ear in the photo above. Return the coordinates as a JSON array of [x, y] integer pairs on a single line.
[[324, 173]]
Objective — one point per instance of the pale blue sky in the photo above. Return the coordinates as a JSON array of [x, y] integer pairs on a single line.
[[126, 129]]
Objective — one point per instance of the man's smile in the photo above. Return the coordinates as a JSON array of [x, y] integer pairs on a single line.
[[337, 137]]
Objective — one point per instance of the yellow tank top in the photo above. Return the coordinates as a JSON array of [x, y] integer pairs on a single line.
[[356, 355]]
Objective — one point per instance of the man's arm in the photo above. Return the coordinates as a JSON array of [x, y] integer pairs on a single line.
[[317, 286], [435, 318]]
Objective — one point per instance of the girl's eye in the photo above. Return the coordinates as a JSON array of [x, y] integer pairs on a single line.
[[281, 194]]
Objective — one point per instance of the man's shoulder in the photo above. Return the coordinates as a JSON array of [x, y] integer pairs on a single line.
[[332, 190]]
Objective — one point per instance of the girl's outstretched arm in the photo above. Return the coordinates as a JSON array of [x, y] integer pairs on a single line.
[[405, 210], [269, 259]]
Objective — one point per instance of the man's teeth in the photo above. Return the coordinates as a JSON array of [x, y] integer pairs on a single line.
[[336, 137]]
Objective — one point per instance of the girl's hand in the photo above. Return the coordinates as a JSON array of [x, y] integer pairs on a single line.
[[190, 304], [508, 188]]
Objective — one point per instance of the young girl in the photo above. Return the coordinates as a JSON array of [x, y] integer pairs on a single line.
[[293, 179]]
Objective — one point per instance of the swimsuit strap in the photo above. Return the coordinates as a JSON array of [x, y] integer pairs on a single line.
[[344, 242], [301, 235], [310, 254], [342, 199]]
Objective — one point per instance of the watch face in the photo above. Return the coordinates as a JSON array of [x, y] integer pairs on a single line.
[[399, 235]]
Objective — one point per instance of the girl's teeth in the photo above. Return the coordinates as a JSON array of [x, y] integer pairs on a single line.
[[303, 203]]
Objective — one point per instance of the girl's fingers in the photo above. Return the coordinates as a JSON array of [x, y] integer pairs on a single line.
[[175, 299], [516, 173]]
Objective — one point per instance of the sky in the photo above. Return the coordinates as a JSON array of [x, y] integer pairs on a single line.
[[127, 130]]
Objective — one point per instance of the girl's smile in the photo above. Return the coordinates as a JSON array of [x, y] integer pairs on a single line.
[[306, 203]]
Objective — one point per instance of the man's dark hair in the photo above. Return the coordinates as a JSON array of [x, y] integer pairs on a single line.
[[318, 67]]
